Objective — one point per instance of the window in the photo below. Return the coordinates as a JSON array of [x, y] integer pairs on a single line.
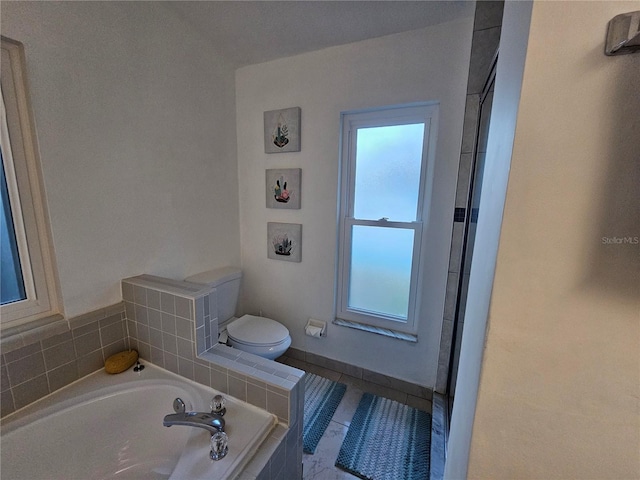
[[28, 289], [12, 284], [385, 161]]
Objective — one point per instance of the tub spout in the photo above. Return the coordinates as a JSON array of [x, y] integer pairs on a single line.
[[209, 421]]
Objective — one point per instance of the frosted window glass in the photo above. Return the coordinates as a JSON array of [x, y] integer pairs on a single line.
[[387, 178], [381, 261], [11, 282]]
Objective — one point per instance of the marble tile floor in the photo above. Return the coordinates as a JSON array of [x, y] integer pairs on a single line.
[[320, 465]]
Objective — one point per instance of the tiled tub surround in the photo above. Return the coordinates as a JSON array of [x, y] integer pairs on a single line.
[[142, 400], [165, 317], [45, 365], [169, 321]]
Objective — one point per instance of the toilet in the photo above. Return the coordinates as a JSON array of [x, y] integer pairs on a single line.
[[250, 333]]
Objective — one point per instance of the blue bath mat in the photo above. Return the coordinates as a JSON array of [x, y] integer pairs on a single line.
[[321, 398], [386, 440]]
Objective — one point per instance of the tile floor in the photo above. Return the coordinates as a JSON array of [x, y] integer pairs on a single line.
[[320, 465]]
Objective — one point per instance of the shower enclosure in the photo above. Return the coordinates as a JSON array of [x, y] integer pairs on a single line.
[[470, 225]]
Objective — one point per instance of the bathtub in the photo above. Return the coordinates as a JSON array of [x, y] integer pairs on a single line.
[[110, 426]]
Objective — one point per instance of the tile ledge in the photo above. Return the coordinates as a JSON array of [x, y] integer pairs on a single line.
[[26, 334], [288, 378], [29, 333], [96, 315]]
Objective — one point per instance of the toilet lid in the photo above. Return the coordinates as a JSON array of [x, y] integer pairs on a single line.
[[253, 330]]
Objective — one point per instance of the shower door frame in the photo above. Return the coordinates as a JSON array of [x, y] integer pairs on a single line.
[[459, 313]]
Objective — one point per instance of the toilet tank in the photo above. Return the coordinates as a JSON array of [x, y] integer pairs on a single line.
[[226, 281]]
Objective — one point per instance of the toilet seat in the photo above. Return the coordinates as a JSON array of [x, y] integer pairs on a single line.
[[257, 331]]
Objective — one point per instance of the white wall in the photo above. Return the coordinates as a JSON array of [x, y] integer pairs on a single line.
[[423, 65], [560, 380], [136, 122]]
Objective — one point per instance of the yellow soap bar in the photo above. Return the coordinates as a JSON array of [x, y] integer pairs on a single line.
[[120, 362]]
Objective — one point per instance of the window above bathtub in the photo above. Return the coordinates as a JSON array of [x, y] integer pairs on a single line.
[[386, 158], [28, 287]]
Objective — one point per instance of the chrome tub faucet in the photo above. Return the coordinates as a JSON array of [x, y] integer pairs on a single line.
[[212, 422], [209, 421]]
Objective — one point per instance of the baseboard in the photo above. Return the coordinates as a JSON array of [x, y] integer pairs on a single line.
[[361, 373]]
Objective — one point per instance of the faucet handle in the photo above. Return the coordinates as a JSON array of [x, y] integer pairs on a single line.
[[218, 405], [219, 445], [179, 406]]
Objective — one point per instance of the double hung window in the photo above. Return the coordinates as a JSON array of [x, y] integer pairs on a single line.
[[385, 162]]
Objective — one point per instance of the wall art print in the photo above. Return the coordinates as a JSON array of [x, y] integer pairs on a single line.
[[284, 241], [283, 187], [282, 130]]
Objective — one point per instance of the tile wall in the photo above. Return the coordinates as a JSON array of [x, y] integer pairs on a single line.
[[161, 321], [167, 322], [30, 372]]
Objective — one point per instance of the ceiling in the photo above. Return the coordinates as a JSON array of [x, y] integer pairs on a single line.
[[248, 32]]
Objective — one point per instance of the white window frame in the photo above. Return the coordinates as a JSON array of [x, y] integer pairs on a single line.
[[426, 113], [23, 172]]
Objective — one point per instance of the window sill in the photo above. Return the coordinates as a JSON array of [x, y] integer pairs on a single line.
[[407, 337]]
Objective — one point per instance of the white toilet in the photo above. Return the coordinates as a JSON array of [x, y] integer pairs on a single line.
[[249, 333]]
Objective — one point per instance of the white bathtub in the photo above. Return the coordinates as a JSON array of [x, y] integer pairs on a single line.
[[110, 426]]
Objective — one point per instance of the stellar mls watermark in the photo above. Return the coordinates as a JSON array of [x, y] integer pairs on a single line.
[[620, 240]]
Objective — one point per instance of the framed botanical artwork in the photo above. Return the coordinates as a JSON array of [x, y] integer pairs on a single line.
[[283, 187], [282, 130], [284, 241]]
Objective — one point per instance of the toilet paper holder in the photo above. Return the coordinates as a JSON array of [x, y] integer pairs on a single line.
[[316, 328]]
